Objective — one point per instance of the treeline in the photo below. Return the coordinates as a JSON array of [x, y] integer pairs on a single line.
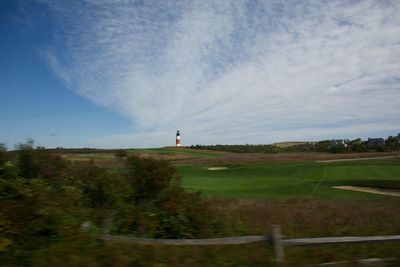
[[52, 208], [392, 143], [255, 148]]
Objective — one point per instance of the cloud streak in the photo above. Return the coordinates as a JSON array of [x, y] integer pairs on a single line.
[[233, 71]]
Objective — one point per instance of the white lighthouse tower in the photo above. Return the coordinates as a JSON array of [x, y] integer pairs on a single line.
[[178, 139]]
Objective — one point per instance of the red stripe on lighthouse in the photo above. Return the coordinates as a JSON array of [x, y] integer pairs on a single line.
[[178, 139]]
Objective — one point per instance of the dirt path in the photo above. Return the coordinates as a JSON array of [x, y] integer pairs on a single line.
[[373, 190]]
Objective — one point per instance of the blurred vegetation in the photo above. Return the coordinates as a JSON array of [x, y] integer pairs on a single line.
[[50, 204]]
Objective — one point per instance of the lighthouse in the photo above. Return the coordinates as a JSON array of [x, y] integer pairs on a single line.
[[178, 139]]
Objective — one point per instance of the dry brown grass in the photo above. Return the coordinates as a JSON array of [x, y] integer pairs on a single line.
[[315, 218], [290, 144], [238, 158], [298, 218], [311, 217], [108, 159]]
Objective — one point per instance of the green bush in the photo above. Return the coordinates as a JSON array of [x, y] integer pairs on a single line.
[[49, 204]]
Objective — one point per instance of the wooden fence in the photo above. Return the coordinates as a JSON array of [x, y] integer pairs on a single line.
[[276, 240]]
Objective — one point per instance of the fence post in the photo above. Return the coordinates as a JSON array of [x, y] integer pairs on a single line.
[[277, 244], [107, 221]]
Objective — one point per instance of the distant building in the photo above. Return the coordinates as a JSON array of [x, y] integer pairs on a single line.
[[340, 142], [376, 142], [178, 139]]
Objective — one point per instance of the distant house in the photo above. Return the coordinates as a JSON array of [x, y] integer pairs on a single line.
[[340, 142], [376, 142]]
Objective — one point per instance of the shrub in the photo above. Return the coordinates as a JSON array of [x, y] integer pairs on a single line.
[[45, 201]]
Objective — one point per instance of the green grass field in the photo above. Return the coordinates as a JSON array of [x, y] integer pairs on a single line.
[[292, 179]]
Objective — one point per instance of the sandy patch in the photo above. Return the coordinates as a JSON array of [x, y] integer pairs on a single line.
[[217, 168], [373, 190]]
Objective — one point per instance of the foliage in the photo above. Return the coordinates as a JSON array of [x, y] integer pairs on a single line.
[[121, 154], [49, 204], [164, 209]]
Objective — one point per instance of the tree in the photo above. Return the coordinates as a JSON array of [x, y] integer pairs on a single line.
[[149, 177]]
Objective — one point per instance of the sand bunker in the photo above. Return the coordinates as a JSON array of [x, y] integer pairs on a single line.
[[373, 190], [217, 168]]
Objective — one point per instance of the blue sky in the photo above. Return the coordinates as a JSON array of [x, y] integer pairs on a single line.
[[130, 73]]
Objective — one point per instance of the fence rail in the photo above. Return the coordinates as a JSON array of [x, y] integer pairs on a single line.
[[187, 242], [275, 239], [338, 240]]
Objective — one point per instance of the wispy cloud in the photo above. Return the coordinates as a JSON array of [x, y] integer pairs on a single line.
[[233, 71]]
